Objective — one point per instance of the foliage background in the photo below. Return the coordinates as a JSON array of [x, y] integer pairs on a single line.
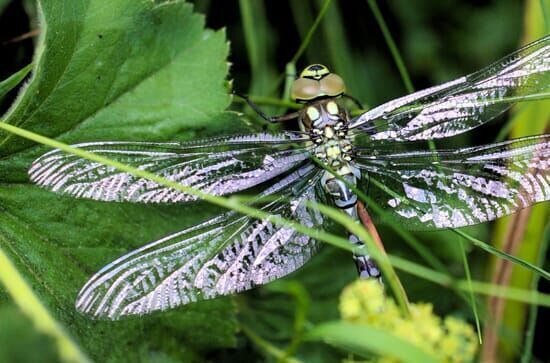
[[57, 248]]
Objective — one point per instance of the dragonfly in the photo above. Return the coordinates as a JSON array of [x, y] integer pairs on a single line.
[[332, 157]]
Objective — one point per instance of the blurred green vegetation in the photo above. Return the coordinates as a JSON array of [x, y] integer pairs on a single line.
[[438, 41], [21, 342]]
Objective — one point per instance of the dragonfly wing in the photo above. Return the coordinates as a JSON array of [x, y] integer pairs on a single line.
[[217, 166], [463, 104], [457, 188], [224, 255]]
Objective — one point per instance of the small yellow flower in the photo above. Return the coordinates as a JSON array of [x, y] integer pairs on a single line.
[[350, 309], [449, 345], [450, 339]]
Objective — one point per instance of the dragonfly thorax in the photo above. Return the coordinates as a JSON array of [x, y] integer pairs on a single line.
[[327, 124]]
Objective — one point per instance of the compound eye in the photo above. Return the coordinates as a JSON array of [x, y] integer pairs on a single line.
[[332, 85], [304, 89]]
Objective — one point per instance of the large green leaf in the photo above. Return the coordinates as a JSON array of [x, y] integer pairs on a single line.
[[113, 70], [28, 345]]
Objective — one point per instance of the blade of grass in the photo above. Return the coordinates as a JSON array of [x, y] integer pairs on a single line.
[[501, 274], [545, 15], [307, 39], [492, 250], [290, 76], [290, 69], [537, 110], [233, 204], [228, 203], [527, 354], [258, 36], [365, 340], [391, 45], [303, 17], [446, 280], [369, 226], [476, 242], [302, 304], [339, 54], [470, 290], [387, 270], [407, 236], [31, 306], [521, 234], [12, 81], [267, 346], [251, 35], [479, 287]]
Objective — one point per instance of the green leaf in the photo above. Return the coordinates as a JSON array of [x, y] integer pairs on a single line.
[[12, 81], [117, 70], [28, 344], [364, 340]]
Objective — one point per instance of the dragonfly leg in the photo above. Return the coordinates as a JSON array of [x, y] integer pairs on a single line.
[[256, 108], [366, 266]]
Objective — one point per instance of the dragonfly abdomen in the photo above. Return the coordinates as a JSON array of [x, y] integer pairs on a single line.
[[341, 191]]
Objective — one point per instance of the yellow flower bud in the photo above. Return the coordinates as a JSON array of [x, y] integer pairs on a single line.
[[450, 339]]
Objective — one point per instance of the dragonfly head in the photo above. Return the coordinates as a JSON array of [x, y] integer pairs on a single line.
[[316, 82]]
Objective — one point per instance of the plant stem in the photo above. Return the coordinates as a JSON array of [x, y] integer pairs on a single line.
[[470, 289], [479, 287], [391, 44], [527, 354], [31, 306], [267, 346], [311, 31]]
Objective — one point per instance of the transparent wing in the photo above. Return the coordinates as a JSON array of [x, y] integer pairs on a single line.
[[224, 255], [463, 104], [217, 166], [457, 188]]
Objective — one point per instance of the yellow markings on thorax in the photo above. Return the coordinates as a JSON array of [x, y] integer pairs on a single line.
[[313, 113], [344, 170], [334, 152], [332, 108], [329, 132]]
